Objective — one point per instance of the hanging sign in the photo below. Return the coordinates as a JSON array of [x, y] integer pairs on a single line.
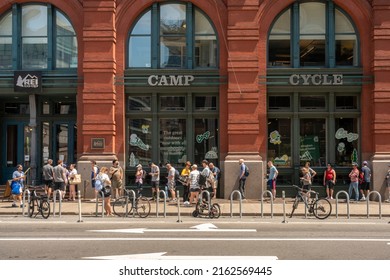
[[27, 81]]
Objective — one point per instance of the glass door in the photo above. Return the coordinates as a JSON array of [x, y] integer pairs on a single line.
[[64, 142], [16, 148]]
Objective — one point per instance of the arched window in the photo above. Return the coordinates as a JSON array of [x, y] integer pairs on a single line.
[[42, 38], [173, 36], [313, 34]]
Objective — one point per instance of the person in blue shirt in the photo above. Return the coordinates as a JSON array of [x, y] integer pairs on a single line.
[[273, 173], [19, 177]]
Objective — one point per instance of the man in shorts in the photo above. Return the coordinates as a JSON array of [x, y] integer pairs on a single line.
[[171, 181], [365, 185], [116, 175], [47, 171], [59, 177]]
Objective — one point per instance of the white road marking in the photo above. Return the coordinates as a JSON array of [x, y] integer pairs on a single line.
[[187, 239], [161, 256]]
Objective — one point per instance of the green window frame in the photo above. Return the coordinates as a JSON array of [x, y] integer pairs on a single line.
[[27, 41], [313, 34], [173, 35]]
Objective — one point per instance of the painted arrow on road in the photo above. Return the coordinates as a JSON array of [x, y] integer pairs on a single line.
[[162, 256], [198, 228]]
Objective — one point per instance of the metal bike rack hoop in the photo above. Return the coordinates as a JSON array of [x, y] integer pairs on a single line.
[[239, 200], [165, 203], [262, 202], [337, 203], [368, 203], [54, 202]]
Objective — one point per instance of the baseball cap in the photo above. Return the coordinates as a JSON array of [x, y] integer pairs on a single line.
[[365, 162]]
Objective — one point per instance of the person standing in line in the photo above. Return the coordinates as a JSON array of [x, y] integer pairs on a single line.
[[329, 181], [94, 173], [206, 172], [106, 190], [194, 185], [171, 181], [60, 179], [116, 175], [216, 172], [311, 170], [185, 173], [155, 174], [306, 179], [354, 185], [242, 178], [72, 187], [139, 178], [272, 175], [388, 184], [365, 185], [18, 176], [47, 172]]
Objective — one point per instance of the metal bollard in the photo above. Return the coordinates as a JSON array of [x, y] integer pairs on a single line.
[[231, 202], [337, 202], [54, 202], [368, 203], [284, 207], [79, 206], [165, 203], [178, 207], [26, 191]]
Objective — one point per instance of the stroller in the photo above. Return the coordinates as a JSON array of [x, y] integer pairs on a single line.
[[204, 208]]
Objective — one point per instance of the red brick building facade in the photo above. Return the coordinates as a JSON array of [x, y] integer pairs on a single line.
[[286, 81]]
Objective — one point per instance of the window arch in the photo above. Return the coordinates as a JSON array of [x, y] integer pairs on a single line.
[[313, 34], [37, 36], [173, 35]]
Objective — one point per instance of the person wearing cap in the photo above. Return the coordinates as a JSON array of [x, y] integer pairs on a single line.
[[194, 185], [365, 185], [388, 184], [354, 185]]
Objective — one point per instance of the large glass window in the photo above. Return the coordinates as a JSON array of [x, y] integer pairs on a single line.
[[6, 41], [47, 38], [313, 141], [173, 141], [179, 39], [279, 142], [140, 142], [347, 139], [325, 35], [206, 139]]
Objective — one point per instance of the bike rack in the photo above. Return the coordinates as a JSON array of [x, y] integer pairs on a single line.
[[231, 202], [165, 203], [26, 191], [54, 202], [272, 202], [97, 204], [127, 203], [178, 207], [368, 203], [208, 197], [337, 202]]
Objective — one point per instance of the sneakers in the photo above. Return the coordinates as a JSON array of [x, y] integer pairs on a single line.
[[363, 198], [387, 200], [21, 205], [331, 197], [14, 205], [187, 204]]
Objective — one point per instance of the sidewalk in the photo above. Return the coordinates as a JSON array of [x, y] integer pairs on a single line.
[[250, 207]]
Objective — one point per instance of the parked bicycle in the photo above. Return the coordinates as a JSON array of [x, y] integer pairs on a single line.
[[124, 206], [320, 207], [40, 202]]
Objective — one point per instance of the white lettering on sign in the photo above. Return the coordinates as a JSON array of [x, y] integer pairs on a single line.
[[170, 80], [316, 79]]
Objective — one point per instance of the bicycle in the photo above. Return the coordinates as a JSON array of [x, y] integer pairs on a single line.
[[320, 207], [202, 209], [123, 206], [40, 201]]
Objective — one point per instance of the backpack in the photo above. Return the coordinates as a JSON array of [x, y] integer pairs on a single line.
[[201, 180], [210, 179], [97, 172], [246, 171], [98, 183], [177, 175]]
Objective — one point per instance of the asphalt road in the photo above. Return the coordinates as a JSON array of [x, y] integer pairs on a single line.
[[299, 239]]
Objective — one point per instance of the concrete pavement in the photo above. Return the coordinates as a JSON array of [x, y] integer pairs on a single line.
[[249, 207]]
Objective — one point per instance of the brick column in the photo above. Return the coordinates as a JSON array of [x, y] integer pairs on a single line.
[[98, 96], [381, 93], [245, 105]]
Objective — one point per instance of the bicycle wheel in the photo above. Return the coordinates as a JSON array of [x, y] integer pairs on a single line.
[[142, 207], [119, 207], [295, 206], [215, 211], [45, 208], [31, 208], [322, 208]]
